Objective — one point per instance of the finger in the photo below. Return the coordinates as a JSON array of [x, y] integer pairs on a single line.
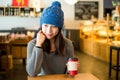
[[66, 64], [40, 31]]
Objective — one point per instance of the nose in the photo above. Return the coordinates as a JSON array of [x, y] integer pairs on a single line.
[[49, 29]]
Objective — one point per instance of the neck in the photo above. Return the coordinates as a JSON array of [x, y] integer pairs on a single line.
[[52, 44]]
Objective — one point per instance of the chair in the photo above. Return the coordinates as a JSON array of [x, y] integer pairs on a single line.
[[117, 66], [5, 69], [5, 58]]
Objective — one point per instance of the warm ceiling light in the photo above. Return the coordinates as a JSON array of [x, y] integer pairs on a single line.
[[71, 1]]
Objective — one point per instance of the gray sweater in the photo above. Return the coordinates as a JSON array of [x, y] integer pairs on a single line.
[[42, 63]]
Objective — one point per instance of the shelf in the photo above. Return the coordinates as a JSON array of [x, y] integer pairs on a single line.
[[97, 31], [20, 11], [2, 11], [11, 11]]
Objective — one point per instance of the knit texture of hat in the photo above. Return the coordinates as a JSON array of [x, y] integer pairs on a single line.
[[53, 15]]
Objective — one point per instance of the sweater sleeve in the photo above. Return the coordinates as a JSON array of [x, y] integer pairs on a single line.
[[34, 59], [69, 50]]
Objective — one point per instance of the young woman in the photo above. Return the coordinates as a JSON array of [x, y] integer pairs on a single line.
[[49, 51]]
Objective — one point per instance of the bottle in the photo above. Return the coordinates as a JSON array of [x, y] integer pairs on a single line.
[[72, 66]]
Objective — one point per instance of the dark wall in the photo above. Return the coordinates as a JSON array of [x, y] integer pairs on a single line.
[[74, 36], [108, 4], [108, 7]]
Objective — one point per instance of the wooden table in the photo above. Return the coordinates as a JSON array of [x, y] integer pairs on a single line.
[[80, 76]]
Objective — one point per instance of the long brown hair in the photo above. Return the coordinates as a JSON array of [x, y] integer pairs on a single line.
[[59, 43]]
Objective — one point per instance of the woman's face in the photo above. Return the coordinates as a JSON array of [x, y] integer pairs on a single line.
[[49, 30]]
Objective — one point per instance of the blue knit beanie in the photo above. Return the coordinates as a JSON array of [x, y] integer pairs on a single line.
[[53, 15]]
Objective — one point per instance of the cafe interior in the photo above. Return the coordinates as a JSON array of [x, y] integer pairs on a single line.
[[93, 26]]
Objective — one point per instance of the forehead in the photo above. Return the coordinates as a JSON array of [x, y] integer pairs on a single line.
[[48, 24]]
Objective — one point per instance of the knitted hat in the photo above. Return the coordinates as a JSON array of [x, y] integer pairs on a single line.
[[53, 15]]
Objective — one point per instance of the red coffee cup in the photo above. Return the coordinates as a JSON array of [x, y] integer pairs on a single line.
[[72, 66]]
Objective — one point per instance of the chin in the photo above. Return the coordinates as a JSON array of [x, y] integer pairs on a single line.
[[49, 37]]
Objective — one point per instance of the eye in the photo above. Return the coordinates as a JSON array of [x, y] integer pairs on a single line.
[[45, 25], [54, 26]]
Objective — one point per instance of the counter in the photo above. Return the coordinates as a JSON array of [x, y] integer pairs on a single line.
[[99, 49]]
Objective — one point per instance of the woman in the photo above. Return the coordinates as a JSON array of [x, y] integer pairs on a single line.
[[49, 51]]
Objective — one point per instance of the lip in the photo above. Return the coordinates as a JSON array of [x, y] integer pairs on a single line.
[[49, 35]]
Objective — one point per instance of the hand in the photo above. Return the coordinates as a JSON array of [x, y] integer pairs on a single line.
[[40, 38], [78, 65]]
